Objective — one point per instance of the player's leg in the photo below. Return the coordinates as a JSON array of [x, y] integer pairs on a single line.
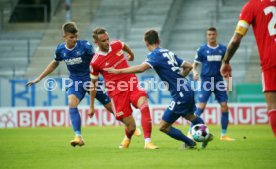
[[224, 121], [139, 100], [203, 97], [200, 108], [269, 87], [166, 127], [75, 120], [75, 95], [222, 98], [104, 99], [271, 102], [123, 112], [187, 112], [129, 131]]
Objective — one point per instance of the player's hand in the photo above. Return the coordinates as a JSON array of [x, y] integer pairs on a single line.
[[30, 83], [196, 76], [226, 70], [130, 57], [91, 112], [112, 70]]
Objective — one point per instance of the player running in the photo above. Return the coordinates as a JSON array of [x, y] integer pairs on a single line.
[[210, 56], [122, 89], [262, 15], [77, 55], [169, 68]]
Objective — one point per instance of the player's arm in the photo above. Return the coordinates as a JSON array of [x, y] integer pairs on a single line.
[[133, 69], [93, 87], [232, 47], [129, 51], [187, 67], [195, 70], [49, 69]]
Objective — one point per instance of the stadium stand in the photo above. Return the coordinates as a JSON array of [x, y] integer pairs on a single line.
[[193, 20], [182, 25]]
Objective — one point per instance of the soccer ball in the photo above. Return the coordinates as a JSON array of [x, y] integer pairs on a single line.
[[200, 132]]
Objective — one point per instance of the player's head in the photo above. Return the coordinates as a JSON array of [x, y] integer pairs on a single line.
[[101, 38], [151, 38], [211, 35], [70, 33]]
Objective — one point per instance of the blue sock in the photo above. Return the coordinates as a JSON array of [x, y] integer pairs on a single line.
[[197, 120], [224, 122], [75, 120], [178, 135], [198, 111]]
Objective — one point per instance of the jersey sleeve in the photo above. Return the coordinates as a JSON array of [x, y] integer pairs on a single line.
[[89, 48], [198, 56], [57, 56], [94, 72], [245, 19], [151, 61], [179, 61], [118, 44]]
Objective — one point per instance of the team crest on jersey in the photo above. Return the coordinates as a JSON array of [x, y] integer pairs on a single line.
[[119, 53], [64, 54], [78, 53]]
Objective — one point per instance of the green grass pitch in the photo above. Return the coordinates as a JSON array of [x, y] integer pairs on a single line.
[[48, 148]]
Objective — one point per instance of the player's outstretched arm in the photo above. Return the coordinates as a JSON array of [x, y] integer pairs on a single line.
[[187, 67], [129, 51], [49, 69], [133, 69], [93, 88]]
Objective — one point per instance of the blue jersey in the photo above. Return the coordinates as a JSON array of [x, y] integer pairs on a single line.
[[77, 59], [168, 67], [210, 58]]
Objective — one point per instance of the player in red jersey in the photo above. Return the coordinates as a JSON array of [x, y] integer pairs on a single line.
[[122, 89], [261, 14]]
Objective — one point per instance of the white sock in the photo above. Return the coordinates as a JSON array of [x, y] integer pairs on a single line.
[[147, 140], [126, 138]]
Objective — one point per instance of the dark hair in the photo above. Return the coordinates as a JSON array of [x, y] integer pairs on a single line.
[[212, 29], [69, 27], [151, 36], [97, 32]]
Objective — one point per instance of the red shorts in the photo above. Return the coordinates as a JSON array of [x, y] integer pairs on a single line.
[[269, 79], [122, 102]]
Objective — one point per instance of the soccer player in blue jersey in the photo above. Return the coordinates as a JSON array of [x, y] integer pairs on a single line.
[[171, 70], [77, 55], [210, 56]]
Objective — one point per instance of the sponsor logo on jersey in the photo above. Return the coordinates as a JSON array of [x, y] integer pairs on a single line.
[[211, 58], [73, 61]]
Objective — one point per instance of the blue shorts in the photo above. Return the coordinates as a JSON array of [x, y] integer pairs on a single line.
[[218, 89], [177, 109], [80, 90]]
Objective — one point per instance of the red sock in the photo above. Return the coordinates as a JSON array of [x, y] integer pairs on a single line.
[[146, 120], [272, 120], [128, 134]]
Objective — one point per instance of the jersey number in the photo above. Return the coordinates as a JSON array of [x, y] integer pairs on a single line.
[[171, 61], [172, 104], [272, 22]]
